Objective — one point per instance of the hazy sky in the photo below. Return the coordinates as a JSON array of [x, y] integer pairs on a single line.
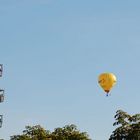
[[53, 52]]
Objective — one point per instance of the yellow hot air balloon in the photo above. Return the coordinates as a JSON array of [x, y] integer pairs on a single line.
[[107, 81]]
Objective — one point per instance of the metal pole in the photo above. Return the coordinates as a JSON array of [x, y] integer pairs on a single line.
[[1, 94]]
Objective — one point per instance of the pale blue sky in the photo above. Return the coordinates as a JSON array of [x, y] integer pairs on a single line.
[[53, 52]]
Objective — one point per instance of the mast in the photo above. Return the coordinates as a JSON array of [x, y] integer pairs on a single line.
[[1, 95]]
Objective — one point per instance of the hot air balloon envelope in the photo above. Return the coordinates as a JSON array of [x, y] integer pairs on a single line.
[[107, 81]]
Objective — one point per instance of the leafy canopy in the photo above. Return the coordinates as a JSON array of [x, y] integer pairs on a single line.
[[128, 126], [68, 132]]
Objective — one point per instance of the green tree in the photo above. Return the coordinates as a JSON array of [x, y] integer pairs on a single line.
[[68, 132], [32, 133], [128, 126]]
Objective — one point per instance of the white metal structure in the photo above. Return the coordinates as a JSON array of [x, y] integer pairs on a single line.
[[1, 70], [1, 95]]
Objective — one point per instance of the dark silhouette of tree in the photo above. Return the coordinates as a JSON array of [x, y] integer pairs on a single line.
[[128, 126]]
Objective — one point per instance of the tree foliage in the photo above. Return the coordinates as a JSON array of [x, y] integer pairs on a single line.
[[68, 132], [32, 133], [128, 126]]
